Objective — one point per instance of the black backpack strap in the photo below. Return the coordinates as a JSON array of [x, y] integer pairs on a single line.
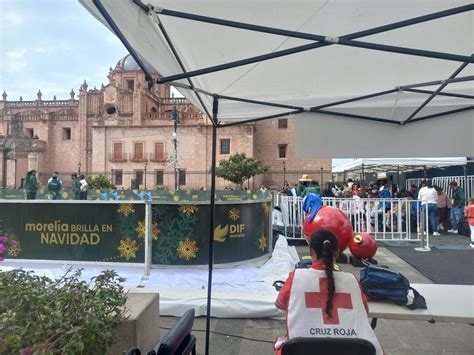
[[419, 301]]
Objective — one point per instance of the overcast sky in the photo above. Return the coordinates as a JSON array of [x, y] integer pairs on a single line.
[[52, 45]]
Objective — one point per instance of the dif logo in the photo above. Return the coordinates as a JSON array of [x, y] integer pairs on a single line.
[[231, 230]]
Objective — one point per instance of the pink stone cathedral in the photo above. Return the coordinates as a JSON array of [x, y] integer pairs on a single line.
[[124, 130]]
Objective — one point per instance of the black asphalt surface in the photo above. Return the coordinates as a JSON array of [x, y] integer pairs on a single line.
[[443, 266]]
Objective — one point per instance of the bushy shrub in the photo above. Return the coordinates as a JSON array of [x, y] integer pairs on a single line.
[[63, 316]]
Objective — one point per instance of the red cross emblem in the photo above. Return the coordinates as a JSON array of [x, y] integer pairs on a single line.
[[319, 299]]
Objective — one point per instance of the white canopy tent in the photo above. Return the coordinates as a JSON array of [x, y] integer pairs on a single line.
[[399, 72], [373, 165]]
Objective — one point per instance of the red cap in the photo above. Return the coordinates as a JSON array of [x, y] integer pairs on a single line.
[[453, 183]]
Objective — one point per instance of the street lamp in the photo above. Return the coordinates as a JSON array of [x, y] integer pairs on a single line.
[[79, 169], [284, 173], [144, 177], [112, 174]]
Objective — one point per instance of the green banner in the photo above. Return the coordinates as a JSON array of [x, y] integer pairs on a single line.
[[115, 232], [83, 232], [181, 234]]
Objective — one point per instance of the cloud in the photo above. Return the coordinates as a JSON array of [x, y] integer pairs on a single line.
[[15, 60], [11, 18]]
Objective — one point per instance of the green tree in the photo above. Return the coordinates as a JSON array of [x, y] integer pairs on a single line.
[[100, 182], [239, 168]]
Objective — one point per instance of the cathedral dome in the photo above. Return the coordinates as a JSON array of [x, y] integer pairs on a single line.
[[127, 63]]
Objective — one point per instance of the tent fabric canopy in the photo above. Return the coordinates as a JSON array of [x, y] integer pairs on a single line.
[[173, 44], [397, 164]]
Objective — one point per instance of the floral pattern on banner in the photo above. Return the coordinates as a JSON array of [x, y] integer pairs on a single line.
[[188, 209], [141, 230], [187, 249], [128, 249], [125, 209], [262, 242]]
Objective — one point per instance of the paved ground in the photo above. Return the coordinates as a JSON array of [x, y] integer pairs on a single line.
[[256, 336]]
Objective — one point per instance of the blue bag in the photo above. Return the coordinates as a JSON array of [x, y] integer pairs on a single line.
[[381, 283]]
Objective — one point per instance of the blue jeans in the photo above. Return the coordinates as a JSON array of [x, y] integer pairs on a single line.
[[432, 216], [456, 213]]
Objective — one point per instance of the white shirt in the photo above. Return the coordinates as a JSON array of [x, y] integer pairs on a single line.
[[84, 185], [428, 195]]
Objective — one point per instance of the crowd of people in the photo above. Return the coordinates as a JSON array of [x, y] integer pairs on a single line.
[[388, 213], [54, 187]]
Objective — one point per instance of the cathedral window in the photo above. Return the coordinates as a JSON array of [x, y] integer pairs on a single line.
[[159, 177], [138, 153], [111, 110], [159, 151], [282, 150], [67, 134], [283, 123], [182, 177], [118, 151], [130, 85], [139, 176], [118, 175], [225, 146]]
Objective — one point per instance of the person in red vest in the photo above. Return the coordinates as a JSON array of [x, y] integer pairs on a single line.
[[322, 301]]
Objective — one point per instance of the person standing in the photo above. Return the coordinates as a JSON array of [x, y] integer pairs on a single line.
[[54, 188], [31, 185], [57, 176], [469, 213], [459, 201], [302, 185], [444, 204], [84, 188], [429, 200], [76, 187]]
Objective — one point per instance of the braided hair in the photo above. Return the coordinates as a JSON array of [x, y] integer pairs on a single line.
[[324, 244]]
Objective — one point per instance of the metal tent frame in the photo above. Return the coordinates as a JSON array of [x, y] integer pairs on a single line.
[[319, 42]]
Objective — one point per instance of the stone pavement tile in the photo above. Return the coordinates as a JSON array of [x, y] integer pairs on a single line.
[[388, 342]]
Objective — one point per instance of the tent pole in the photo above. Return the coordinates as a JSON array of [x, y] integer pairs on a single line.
[[466, 194], [422, 91], [215, 107], [324, 40], [433, 95], [363, 176], [354, 35]]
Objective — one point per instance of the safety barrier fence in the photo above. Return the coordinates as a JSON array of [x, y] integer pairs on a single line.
[[385, 218], [443, 182]]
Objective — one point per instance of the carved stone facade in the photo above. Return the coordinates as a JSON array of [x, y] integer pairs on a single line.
[[124, 130]]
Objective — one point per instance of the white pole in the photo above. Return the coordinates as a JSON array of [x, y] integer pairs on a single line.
[[148, 220]]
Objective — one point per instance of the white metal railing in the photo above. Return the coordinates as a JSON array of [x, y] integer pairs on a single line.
[[386, 219], [443, 182]]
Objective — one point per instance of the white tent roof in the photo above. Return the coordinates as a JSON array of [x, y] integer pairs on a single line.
[[394, 164], [173, 44]]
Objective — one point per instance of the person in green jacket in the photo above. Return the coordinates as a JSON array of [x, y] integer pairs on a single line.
[[76, 186], [31, 185], [457, 210], [303, 183], [54, 188], [313, 188]]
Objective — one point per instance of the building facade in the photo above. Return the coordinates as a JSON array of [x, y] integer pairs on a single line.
[[124, 130]]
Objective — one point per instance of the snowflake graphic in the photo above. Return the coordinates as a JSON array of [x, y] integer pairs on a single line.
[[188, 209], [14, 249], [254, 196], [125, 209], [128, 249], [234, 214], [187, 249], [176, 198], [266, 207], [262, 242], [141, 230]]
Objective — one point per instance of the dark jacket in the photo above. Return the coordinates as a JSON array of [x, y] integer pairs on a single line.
[[459, 199]]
